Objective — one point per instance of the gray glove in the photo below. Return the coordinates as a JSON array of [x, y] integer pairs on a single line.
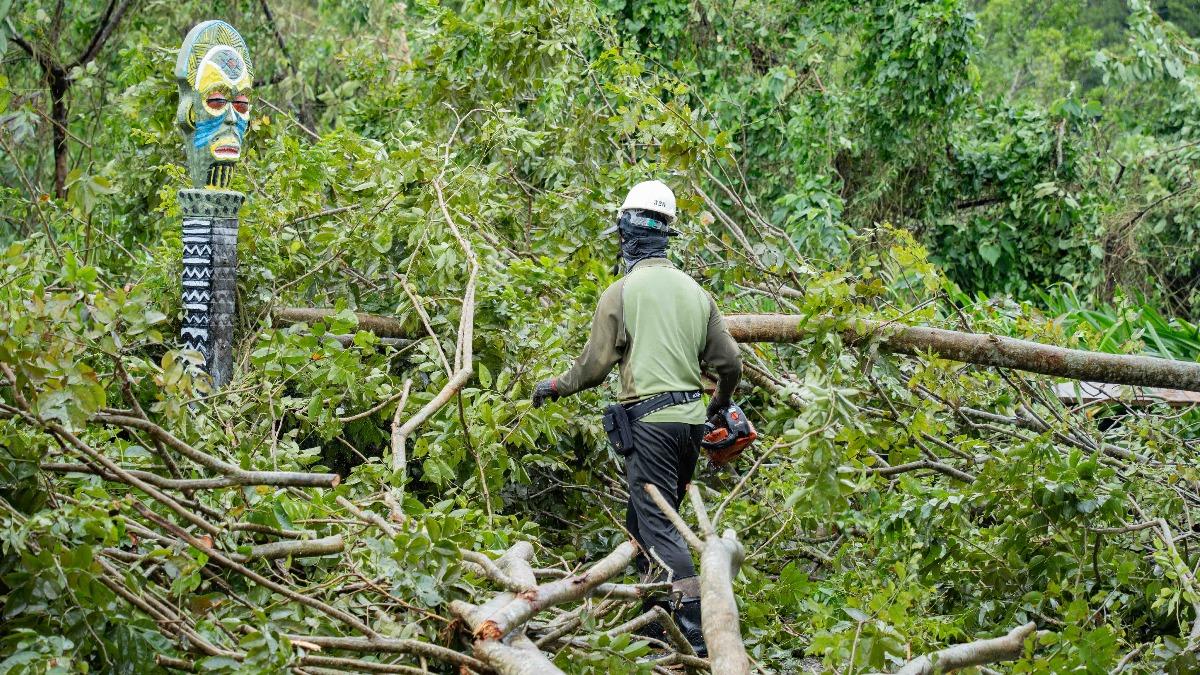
[[546, 389], [716, 407]]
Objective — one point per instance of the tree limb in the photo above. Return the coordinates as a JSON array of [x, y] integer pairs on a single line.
[[358, 665], [922, 464], [385, 645], [112, 18], [982, 349], [466, 334], [238, 475], [688, 535], [251, 478], [980, 652], [303, 548], [515, 609], [225, 561]]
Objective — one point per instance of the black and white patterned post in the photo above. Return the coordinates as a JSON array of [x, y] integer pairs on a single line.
[[210, 232], [215, 79]]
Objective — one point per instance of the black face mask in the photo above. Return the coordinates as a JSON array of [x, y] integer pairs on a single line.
[[643, 234], [636, 247]]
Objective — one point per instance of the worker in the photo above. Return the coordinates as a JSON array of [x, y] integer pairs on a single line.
[[662, 328]]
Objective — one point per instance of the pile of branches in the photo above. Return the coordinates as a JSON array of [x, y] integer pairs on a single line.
[[534, 613]]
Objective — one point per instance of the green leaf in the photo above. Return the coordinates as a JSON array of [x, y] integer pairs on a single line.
[[990, 252], [343, 322]]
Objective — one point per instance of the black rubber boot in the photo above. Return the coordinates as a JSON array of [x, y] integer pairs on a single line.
[[687, 617], [654, 629]]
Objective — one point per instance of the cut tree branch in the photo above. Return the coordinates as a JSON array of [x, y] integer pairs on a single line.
[[518, 655], [512, 610]]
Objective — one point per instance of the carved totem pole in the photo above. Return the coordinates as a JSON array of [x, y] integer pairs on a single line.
[[215, 77]]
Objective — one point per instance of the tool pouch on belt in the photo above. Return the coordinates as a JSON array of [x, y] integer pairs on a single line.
[[619, 428], [619, 419]]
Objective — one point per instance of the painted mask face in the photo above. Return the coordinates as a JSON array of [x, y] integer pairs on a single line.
[[215, 79]]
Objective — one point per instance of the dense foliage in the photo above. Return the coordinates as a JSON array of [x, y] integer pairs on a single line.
[[990, 165]]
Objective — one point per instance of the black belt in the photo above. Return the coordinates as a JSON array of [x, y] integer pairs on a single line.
[[658, 402]]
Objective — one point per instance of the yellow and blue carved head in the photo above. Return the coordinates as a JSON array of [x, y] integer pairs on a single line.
[[215, 78]]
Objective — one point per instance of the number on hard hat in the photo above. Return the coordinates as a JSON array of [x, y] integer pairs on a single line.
[[727, 435]]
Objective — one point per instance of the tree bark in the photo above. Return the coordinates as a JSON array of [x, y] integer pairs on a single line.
[[58, 115], [980, 348], [520, 656], [58, 81], [512, 610], [498, 625]]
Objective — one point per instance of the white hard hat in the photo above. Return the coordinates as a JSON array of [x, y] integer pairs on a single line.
[[652, 195]]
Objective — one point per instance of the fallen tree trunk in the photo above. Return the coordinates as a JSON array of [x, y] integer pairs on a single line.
[[978, 653], [980, 348]]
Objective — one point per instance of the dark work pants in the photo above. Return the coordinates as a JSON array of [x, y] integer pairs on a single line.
[[664, 455]]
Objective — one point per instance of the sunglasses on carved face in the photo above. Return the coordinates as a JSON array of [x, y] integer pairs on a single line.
[[217, 101]]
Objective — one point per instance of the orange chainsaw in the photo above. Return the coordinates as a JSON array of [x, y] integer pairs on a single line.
[[727, 435]]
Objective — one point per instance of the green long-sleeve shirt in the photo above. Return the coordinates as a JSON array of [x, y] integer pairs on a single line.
[[660, 326]]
